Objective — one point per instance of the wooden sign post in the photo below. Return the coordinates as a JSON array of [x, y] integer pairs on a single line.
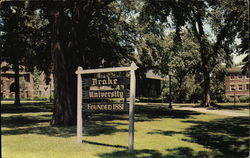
[[106, 94], [131, 109], [79, 106]]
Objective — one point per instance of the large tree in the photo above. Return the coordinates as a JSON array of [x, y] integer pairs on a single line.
[[23, 39], [88, 34], [162, 55], [13, 39], [183, 61], [197, 16]]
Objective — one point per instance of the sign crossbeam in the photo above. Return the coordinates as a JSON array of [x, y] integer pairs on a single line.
[[105, 70], [103, 106]]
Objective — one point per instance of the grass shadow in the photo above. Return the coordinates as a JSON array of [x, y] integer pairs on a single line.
[[16, 121], [106, 145], [165, 133], [27, 107], [43, 130], [233, 107], [144, 153], [102, 128], [180, 152], [19, 122], [186, 152], [229, 136], [145, 113], [40, 124], [150, 112]]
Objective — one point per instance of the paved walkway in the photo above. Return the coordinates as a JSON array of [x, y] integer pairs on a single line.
[[218, 112], [233, 113]]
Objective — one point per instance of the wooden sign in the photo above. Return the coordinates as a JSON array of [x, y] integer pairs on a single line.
[[102, 94], [113, 81], [108, 107], [92, 94]]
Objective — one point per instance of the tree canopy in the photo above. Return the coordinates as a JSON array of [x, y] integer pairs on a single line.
[[197, 16]]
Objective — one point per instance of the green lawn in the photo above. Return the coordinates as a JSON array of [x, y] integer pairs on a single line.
[[159, 132]]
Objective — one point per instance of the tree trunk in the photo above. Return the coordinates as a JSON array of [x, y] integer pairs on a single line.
[[206, 89], [206, 102], [65, 91], [204, 52], [17, 85], [67, 54], [180, 93], [65, 64], [170, 93]]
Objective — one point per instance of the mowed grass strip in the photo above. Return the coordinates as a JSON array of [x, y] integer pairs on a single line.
[[159, 132]]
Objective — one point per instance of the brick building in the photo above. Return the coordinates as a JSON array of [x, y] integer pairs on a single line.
[[236, 82], [29, 88]]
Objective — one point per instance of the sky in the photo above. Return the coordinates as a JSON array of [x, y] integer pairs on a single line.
[[238, 58]]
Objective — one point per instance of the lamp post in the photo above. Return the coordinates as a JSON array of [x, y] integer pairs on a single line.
[[50, 99], [234, 97], [170, 90]]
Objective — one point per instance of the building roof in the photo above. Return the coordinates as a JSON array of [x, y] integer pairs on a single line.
[[151, 75], [237, 69], [12, 73], [7, 70]]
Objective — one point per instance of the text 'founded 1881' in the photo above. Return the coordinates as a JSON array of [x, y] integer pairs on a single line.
[[105, 106]]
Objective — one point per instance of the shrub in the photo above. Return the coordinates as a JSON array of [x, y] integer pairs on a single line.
[[244, 99], [9, 98], [230, 99], [150, 100], [40, 98]]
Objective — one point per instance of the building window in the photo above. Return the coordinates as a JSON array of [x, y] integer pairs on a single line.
[[240, 87], [232, 87], [233, 76], [240, 76], [247, 86], [248, 75], [12, 87]]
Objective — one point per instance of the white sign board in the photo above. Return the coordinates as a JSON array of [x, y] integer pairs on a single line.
[[79, 73]]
